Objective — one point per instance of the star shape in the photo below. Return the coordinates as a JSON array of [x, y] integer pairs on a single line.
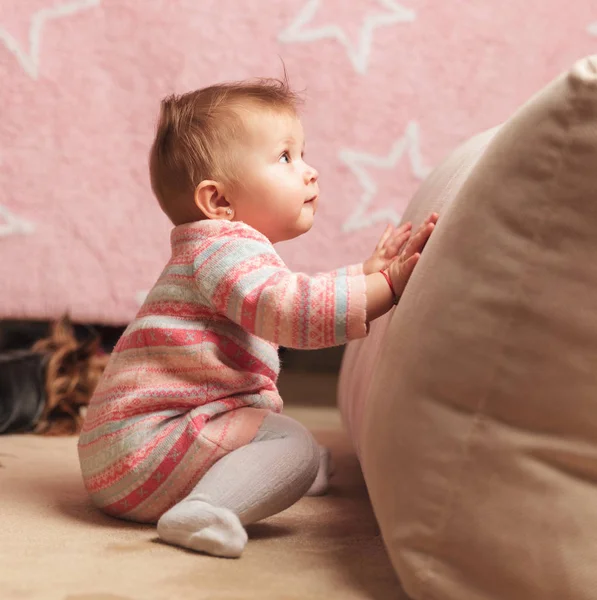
[[29, 58], [358, 163], [10, 224], [299, 30]]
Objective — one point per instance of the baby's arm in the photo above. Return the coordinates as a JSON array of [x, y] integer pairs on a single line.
[[243, 278]]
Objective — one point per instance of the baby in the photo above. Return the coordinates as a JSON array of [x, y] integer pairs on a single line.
[[185, 428]]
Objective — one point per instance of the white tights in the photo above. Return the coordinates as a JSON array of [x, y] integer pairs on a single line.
[[265, 477]]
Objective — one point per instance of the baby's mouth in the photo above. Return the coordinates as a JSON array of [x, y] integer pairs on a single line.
[[312, 199]]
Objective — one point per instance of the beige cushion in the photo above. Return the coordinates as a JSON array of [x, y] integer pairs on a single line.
[[479, 440], [360, 357]]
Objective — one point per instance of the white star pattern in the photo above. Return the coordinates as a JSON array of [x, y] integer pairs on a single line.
[[29, 60], [592, 28], [298, 31], [359, 161], [10, 224]]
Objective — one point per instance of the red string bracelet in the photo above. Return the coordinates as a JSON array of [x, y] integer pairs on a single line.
[[391, 286]]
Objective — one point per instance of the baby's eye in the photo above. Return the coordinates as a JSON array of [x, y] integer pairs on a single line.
[[285, 157]]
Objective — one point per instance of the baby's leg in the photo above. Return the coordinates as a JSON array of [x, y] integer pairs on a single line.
[[256, 481]]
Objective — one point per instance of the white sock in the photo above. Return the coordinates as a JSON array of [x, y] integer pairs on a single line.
[[322, 481], [197, 525]]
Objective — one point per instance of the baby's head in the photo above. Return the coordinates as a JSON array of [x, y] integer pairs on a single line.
[[235, 151]]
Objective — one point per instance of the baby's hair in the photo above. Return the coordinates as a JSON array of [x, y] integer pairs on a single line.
[[195, 138]]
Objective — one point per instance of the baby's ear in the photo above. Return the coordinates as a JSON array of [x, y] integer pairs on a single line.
[[211, 201]]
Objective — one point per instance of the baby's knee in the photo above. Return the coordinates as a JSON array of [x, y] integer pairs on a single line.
[[301, 441], [307, 455], [311, 449]]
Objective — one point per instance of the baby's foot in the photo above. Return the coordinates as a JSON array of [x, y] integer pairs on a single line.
[[197, 525], [322, 481]]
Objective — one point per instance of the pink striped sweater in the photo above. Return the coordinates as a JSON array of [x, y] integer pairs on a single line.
[[195, 373]]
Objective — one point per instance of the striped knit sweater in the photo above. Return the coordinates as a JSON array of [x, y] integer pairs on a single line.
[[194, 374]]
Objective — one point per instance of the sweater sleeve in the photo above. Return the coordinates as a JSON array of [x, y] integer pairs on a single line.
[[243, 278]]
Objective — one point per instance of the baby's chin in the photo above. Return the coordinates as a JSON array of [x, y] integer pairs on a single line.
[[297, 231], [306, 228]]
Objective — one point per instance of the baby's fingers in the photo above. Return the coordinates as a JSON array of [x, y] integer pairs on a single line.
[[384, 238], [397, 241], [418, 241], [393, 242], [430, 220]]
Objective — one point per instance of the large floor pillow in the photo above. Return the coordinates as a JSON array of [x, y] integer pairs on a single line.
[[479, 434], [360, 357]]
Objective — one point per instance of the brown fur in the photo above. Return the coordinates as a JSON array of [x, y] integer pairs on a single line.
[[72, 373]]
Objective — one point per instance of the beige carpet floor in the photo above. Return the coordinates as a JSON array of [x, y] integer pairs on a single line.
[[55, 546]]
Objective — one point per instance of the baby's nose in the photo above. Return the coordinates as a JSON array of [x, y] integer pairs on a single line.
[[311, 175]]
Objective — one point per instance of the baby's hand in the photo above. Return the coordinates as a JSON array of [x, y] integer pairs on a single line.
[[387, 248], [402, 267]]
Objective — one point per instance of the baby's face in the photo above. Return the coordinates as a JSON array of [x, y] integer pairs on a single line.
[[278, 191]]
